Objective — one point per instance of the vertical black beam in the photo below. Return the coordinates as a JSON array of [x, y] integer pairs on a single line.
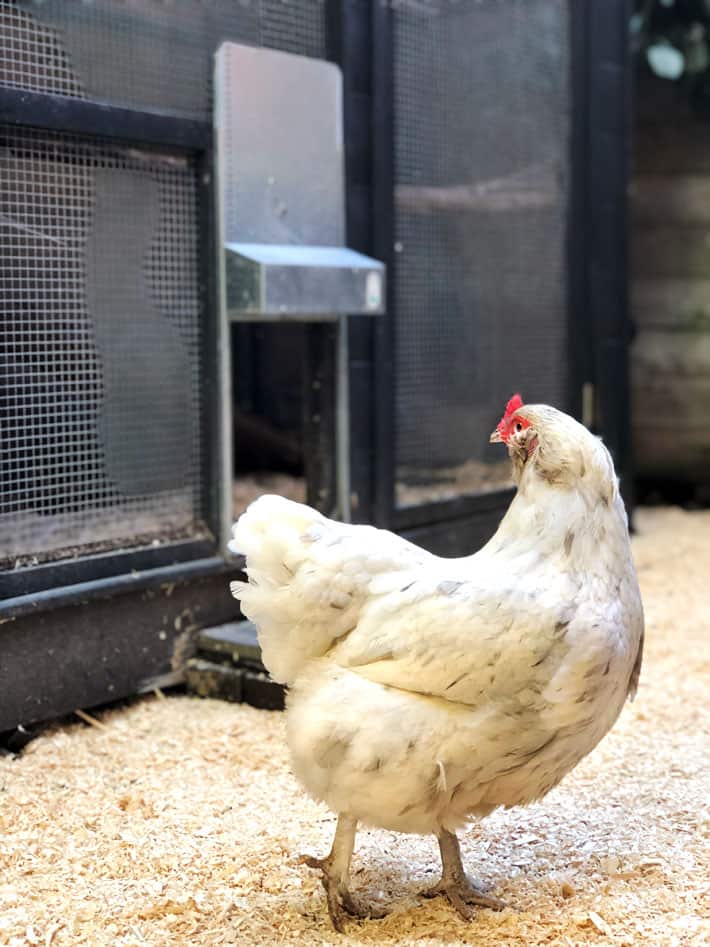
[[209, 290], [349, 44], [319, 415], [383, 248], [608, 170], [245, 378], [581, 337]]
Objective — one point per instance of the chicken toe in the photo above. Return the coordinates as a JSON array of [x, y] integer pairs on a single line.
[[464, 896], [455, 884], [335, 873]]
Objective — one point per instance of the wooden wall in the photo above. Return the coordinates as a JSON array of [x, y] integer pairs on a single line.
[[670, 285]]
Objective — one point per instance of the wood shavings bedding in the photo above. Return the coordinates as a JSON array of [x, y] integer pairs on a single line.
[[178, 821]]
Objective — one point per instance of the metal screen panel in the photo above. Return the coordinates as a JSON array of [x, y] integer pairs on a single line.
[[101, 340], [482, 101], [147, 55], [100, 382]]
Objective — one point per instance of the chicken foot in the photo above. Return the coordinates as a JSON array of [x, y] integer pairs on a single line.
[[335, 869], [455, 884]]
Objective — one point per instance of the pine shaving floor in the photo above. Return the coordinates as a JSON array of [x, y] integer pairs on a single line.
[[176, 821]]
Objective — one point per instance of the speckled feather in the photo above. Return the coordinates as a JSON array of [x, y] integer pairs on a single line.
[[424, 690]]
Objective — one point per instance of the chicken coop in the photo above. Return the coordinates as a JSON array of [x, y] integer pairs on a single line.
[[482, 147]]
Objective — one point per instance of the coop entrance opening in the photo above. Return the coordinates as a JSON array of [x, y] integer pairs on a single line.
[[267, 414]]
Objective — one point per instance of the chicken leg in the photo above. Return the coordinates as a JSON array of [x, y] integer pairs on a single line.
[[335, 869], [455, 883]]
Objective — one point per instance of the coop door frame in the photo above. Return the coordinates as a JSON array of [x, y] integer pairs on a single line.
[[55, 583], [596, 244]]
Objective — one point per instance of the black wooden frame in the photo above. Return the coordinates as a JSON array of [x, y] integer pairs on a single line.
[[349, 42], [598, 226], [68, 114], [606, 170], [42, 583]]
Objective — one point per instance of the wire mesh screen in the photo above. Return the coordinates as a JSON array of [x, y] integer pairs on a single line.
[[482, 104], [99, 345], [148, 55], [101, 368]]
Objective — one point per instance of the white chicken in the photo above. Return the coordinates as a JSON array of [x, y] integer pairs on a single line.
[[424, 692]]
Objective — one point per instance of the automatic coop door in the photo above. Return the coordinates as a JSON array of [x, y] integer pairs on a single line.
[[280, 167], [279, 127]]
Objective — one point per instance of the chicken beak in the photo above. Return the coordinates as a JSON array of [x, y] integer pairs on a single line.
[[495, 437]]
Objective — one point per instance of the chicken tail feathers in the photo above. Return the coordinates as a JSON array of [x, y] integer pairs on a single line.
[[294, 595]]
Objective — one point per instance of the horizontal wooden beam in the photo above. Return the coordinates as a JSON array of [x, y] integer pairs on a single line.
[[682, 354], [681, 305], [671, 390], [671, 251], [674, 146], [663, 199], [101, 650]]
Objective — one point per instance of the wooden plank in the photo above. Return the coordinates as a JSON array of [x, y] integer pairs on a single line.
[[656, 101], [104, 649], [664, 199], [668, 136], [236, 643], [670, 381], [671, 251], [682, 354], [674, 146], [671, 453], [219, 681], [680, 305], [260, 691]]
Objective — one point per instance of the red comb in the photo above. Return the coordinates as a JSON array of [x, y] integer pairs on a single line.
[[515, 402]]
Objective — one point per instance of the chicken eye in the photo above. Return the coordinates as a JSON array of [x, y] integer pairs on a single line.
[[518, 427]]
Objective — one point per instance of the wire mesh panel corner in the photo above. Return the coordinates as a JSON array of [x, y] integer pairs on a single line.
[[482, 124]]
